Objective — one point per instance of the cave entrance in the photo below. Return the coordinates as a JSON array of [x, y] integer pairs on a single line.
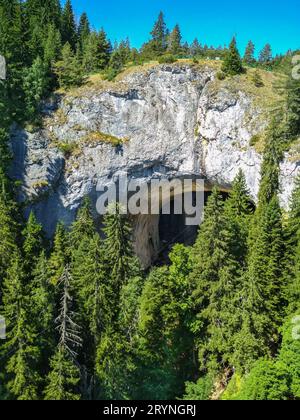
[[173, 230], [155, 235]]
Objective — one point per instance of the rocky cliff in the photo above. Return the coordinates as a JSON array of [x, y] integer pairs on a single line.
[[164, 121]]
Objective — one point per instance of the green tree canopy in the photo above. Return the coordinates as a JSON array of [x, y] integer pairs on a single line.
[[249, 58], [232, 62]]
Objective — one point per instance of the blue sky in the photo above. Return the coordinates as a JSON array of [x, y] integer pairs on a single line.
[[213, 22]]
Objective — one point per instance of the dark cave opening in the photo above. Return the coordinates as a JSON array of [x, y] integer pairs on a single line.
[[173, 230]]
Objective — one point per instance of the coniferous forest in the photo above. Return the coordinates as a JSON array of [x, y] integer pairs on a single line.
[[83, 320]]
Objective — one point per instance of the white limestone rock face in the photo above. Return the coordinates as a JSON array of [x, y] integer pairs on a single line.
[[37, 165], [173, 122]]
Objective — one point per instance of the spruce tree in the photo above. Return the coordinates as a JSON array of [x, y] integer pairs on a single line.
[[5, 156], [64, 376], [261, 297], [232, 62], [249, 58], [159, 35], [62, 379], [60, 255], [104, 50], [270, 170], [44, 12], [276, 379], [52, 46], [39, 16], [257, 79], [267, 381], [116, 351], [156, 293], [261, 294], [93, 298], [122, 264], [292, 89], [83, 30], [238, 213], [165, 342], [291, 272], [195, 48], [20, 347], [116, 64], [84, 225], [35, 86], [69, 70], [8, 229], [124, 50], [90, 59], [53, 12], [293, 295], [42, 295], [69, 30], [11, 31], [35, 44], [289, 355], [174, 41], [89, 274], [5, 114], [265, 56], [115, 367], [116, 360], [12, 48], [213, 278], [33, 241]]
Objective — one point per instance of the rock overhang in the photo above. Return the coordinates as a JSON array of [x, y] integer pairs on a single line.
[[166, 121]]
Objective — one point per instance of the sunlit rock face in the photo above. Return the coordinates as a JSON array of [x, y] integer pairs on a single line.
[[172, 121]]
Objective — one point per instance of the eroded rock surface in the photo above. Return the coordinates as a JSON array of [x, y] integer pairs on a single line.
[[168, 121]]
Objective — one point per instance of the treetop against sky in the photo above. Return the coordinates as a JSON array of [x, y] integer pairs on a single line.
[[213, 23]]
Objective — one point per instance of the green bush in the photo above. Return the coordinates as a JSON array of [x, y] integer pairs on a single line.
[[266, 381], [257, 79], [67, 148], [221, 75], [233, 388], [199, 391], [111, 74], [254, 140], [167, 59]]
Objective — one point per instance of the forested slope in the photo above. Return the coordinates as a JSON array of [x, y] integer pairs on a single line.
[[84, 321]]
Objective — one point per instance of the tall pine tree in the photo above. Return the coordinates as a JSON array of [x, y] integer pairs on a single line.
[[159, 35], [60, 255], [12, 49], [69, 69], [265, 56], [119, 253], [261, 296], [249, 58], [232, 62], [68, 25], [84, 29], [20, 347], [214, 279], [64, 376], [291, 272], [174, 41]]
